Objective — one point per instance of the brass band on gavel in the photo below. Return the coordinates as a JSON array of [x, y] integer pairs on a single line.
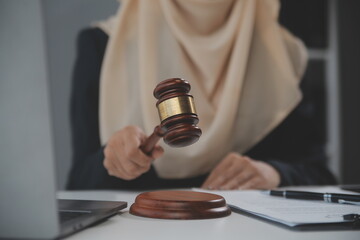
[[174, 106]]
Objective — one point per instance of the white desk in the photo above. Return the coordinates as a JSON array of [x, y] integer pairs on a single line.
[[128, 227]]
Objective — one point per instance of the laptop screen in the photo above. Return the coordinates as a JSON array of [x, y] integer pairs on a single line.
[[27, 178]]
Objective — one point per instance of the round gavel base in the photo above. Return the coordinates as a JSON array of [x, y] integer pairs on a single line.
[[179, 205]]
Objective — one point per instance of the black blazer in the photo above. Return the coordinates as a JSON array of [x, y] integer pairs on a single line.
[[295, 148]]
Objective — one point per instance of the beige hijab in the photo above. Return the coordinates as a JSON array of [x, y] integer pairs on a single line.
[[244, 69]]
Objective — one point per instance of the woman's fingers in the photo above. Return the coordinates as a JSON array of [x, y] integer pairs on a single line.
[[237, 181], [131, 141], [114, 167], [123, 156], [157, 152], [217, 175], [253, 183], [241, 172]]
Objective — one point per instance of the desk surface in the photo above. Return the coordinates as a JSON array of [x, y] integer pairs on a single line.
[[236, 226]]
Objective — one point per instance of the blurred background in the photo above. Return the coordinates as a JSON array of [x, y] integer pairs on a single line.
[[42, 33]]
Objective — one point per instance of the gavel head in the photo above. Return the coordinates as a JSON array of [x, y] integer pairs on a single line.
[[177, 112]]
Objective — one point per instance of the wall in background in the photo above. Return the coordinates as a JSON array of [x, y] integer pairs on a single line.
[[349, 58], [315, 22], [63, 21]]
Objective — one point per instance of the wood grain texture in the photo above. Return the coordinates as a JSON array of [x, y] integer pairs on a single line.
[[178, 130], [179, 205]]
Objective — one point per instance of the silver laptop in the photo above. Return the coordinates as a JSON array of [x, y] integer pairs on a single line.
[[28, 204]]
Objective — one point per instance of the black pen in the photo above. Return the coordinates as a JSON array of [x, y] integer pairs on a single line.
[[326, 197]]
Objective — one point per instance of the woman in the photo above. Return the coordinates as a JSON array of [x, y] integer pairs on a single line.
[[245, 71]]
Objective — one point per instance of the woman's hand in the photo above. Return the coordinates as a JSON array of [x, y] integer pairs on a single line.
[[123, 157], [241, 172]]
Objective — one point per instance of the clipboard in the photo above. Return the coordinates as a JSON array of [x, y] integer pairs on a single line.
[[297, 215], [352, 223]]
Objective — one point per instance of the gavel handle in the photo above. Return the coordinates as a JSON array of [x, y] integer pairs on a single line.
[[148, 146]]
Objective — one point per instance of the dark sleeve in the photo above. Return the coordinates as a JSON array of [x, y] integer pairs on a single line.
[[87, 171], [296, 148]]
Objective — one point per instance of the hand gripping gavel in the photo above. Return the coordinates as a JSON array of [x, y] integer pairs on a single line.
[[177, 115]]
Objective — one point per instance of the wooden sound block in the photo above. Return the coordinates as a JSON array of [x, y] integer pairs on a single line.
[[179, 205]]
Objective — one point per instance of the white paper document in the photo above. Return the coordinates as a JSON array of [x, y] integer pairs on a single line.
[[287, 211]]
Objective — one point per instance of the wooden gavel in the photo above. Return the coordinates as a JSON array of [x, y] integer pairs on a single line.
[[177, 115], [178, 128]]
